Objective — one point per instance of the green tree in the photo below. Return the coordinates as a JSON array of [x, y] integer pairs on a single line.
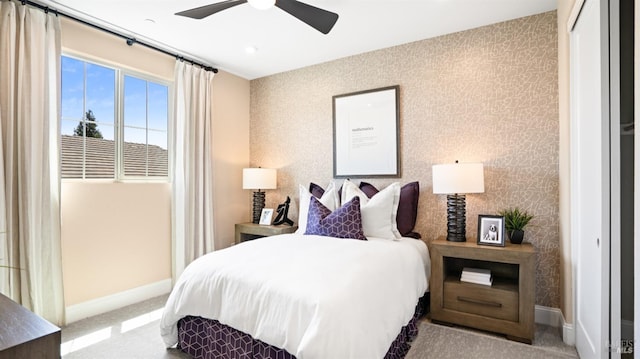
[[91, 126]]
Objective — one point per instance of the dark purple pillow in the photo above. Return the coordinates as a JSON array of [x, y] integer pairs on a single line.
[[407, 207], [344, 222], [318, 191]]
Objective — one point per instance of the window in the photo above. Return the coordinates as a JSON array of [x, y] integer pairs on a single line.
[[145, 128], [114, 123]]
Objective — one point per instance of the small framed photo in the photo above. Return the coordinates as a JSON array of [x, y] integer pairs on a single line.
[[265, 217], [491, 230]]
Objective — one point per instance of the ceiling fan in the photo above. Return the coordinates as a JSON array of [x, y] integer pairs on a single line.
[[319, 19]]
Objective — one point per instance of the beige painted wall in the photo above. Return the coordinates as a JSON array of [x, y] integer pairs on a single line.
[[101, 46], [231, 155], [117, 236], [566, 278], [488, 94]]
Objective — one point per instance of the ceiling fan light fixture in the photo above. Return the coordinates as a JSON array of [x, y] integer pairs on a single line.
[[320, 19], [262, 4]]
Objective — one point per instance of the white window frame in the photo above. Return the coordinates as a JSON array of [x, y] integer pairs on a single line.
[[120, 73]]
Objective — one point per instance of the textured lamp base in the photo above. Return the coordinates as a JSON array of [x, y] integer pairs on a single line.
[[258, 205], [456, 218]]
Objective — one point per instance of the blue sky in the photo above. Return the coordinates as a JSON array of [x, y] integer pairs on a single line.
[[144, 102]]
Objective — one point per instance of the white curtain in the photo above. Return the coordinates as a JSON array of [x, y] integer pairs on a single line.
[[31, 271], [192, 209]]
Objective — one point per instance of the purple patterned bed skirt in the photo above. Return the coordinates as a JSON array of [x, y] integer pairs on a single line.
[[210, 339]]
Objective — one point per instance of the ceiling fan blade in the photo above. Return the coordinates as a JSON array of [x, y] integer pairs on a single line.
[[204, 11], [319, 19]]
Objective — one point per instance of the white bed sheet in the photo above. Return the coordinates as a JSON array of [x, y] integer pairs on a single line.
[[316, 297]]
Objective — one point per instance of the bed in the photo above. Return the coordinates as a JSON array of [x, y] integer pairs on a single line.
[[301, 296]]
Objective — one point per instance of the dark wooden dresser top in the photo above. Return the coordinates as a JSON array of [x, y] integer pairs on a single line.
[[18, 325]]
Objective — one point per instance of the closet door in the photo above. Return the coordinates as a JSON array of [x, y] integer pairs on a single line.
[[590, 186]]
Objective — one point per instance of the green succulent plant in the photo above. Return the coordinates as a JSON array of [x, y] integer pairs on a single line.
[[515, 219]]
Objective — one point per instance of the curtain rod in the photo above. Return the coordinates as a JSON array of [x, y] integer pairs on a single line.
[[130, 40]]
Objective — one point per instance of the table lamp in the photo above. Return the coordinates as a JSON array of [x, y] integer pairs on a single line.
[[455, 180], [258, 179]]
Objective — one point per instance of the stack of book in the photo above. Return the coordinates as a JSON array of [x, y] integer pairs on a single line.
[[476, 275]]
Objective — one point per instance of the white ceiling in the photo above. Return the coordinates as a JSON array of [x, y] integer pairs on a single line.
[[283, 42]]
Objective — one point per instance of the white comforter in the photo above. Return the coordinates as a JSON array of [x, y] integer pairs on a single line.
[[316, 297]]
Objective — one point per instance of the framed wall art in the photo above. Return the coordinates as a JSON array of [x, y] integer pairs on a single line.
[[365, 133], [265, 216], [491, 230]]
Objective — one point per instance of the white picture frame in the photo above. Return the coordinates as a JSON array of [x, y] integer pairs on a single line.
[[265, 216], [365, 133]]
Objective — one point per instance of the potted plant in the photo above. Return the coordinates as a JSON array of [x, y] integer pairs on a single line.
[[514, 222]]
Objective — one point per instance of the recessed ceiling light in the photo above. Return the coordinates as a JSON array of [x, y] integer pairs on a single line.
[[262, 4], [251, 50], [150, 21]]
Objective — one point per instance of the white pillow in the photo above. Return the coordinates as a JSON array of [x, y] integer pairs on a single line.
[[329, 199], [378, 212]]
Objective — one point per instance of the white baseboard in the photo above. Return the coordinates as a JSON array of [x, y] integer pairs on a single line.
[[549, 316], [568, 334], [553, 317], [115, 301]]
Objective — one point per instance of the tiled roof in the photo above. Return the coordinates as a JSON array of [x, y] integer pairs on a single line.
[[100, 158]]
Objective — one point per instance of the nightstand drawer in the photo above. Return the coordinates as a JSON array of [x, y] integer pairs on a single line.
[[494, 302]]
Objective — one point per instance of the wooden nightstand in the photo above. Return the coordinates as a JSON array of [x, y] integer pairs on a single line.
[[249, 231], [506, 307]]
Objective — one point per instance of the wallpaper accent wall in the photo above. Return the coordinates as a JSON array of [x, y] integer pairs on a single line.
[[485, 95]]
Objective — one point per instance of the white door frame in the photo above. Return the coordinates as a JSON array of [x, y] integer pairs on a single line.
[[591, 337], [615, 314]]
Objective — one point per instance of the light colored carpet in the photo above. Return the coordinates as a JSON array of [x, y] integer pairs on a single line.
[[129, 333], [442, 342], [133, 332]]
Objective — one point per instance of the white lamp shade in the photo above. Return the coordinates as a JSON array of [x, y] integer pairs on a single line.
[[259, 178], [458, 178], [262, 4]]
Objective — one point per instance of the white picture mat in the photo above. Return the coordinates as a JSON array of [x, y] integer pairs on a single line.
[[265, 216], [484, 236]]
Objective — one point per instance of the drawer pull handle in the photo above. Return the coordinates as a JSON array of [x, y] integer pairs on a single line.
[[481, 302]]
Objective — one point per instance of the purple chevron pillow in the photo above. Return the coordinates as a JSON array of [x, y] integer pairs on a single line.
[[344, 222]]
